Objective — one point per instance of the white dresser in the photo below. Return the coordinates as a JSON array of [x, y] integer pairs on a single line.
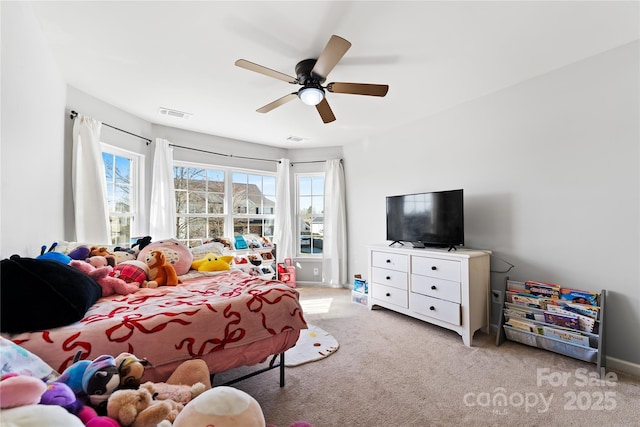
[[445, 288]]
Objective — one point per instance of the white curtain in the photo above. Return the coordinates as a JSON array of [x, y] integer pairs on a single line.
[[162, 217], [334, 248], [89, 183], [283, 227]]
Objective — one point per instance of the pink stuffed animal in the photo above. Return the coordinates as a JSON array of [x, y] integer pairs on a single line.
[[110, 285]]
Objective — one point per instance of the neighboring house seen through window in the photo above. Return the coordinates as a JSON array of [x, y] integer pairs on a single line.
[[219, 202]]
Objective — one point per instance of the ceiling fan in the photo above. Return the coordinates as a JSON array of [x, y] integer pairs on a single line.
[[311, 74]]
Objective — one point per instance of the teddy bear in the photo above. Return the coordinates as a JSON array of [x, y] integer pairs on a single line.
[[110, 285], [136, 408], [176, 253], [160, 271]]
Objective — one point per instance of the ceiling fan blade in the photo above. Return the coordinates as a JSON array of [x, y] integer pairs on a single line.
[[358, 88], [248, 65], [334, 51], [325, 111], [278, 102]]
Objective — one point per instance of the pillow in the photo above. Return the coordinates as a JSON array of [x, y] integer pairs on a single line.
[[201, 251], [18, 360], [37, 294], [176, 253]]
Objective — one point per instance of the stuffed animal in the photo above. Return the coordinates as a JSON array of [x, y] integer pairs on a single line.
[[136, 408], [134, 271], [53, 255], [92, 381], [176, 253], [221, 407], [60, 394], [79, 253], [212, 262], [110, 285], [160, 271], [130, 370], [20, 390], [102, 251], [176, 392]]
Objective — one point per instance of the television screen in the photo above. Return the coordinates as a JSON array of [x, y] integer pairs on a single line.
[[429, 219]]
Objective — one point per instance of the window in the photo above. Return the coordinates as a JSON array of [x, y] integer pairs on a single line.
[[310, 208], [220, 202], [254, 202], [124, 187]]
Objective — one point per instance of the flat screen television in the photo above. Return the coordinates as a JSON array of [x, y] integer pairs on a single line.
[[434, 219]]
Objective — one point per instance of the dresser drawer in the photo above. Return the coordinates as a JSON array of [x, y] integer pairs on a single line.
[[435, 267], [437, 288], [433, 307], [396, 262], [389, 294], [396, 279]]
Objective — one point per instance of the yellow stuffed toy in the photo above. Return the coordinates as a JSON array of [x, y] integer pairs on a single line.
[[213, 262]]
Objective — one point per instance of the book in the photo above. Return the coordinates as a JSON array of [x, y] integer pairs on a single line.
[[550, 290], [562, 320], [522, 324], [572, 337], [585, 323], [580, 297]]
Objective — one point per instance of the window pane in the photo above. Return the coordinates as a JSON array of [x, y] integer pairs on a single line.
[[180, 177], [216, 227], [107, 159], [197, 202], [310, 214], [122, 199], [215, 203], [197, 228], [181, 202], [120, 230], [123, 170]]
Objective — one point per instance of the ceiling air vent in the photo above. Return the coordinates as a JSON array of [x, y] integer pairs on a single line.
[[175, 113], [295, 139]]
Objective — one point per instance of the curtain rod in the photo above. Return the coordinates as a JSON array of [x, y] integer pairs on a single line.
[[222, 154], [74, 114], [310, 161]]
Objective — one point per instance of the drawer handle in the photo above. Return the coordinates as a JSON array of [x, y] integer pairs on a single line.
[[388, 261], [432, 308], [388, 294], [433, 267], [433, 287], [388, 277]]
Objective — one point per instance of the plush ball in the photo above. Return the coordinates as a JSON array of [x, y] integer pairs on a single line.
[[20, 390], [175, 252], [221, 407]]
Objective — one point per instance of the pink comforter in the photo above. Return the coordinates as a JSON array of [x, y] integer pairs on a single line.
[[205, 315]]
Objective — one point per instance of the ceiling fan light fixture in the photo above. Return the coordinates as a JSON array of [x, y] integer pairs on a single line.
[[311, 95]]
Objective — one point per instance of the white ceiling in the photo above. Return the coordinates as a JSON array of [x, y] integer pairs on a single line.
[[140, 56]]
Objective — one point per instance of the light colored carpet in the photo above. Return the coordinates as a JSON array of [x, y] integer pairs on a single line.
[[314, 344], [395, 371]]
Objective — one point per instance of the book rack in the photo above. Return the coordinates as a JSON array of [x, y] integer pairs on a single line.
[[558, 339]]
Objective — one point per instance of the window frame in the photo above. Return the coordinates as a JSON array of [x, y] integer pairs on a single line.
[[137, 184], [228, 215], [298, 215]]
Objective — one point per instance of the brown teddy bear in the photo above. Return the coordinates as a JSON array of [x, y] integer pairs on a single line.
[[136, 408], [160, 271]]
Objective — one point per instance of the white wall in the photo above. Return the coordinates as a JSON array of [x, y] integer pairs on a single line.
[[32, 162], [550, 169]]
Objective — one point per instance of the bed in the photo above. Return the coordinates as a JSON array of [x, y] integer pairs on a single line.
[[229, 319]]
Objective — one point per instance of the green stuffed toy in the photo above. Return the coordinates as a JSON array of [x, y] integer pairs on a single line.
[[213, 262]]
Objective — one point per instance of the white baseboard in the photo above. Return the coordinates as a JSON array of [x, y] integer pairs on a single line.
[[620, 365]]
